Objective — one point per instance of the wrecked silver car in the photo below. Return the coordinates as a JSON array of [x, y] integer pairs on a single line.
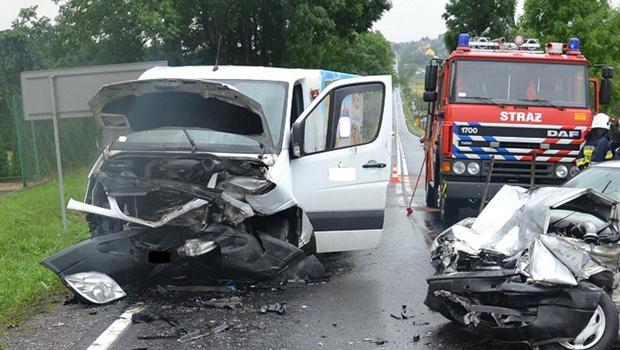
[[539, 267], [197, 182]]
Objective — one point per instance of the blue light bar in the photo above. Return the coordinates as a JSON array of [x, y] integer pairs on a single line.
[[463, 40], [574, 45]]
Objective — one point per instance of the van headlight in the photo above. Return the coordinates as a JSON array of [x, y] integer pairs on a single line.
[[561, 171], [96, 287], [473, 168], [458, 167]]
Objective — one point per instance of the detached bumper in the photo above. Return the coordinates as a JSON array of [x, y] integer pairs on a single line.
[[510, 311]]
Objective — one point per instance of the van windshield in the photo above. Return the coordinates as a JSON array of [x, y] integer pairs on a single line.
[[519, 83], [272, 96]]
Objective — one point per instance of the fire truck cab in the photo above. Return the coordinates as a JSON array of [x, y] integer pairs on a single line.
[[524, 110]]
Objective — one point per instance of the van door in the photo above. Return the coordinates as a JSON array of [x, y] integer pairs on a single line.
[[341, 163]]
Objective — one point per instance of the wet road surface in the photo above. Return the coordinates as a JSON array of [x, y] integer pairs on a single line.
[[353, 310]]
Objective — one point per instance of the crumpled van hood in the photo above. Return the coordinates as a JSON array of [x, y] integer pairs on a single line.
[[140, 105]]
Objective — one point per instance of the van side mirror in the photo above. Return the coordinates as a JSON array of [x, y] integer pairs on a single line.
[[430, 78], [429, 96], [605, 91], [297, 140], [344, 127]]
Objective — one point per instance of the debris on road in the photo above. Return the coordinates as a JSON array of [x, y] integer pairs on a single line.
[[403, 313], [416, 338], [278, 308], [230, 303], [143, 317], [196, 289], [376, 341], [197, 335]]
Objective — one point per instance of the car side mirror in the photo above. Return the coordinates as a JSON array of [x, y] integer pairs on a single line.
[[605, 91], [423, 139], [344, 127], [297, 139]]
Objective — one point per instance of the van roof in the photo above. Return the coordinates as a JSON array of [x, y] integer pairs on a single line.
[[289, 75]]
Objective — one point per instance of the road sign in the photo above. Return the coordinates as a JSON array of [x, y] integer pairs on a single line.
[[64, 93]]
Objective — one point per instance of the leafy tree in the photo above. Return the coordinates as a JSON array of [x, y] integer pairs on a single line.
[[594, 22], [265, 32], [492, 18], [365, 53]]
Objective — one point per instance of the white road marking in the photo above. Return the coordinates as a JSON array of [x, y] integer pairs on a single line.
[[116, 329]]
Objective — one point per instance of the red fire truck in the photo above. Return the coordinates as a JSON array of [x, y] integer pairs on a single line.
[[511, 109]]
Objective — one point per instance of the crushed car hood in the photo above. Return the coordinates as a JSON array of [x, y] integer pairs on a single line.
[[515, 226], [141, 105]]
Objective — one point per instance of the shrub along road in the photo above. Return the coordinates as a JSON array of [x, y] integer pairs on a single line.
[[31, 230]]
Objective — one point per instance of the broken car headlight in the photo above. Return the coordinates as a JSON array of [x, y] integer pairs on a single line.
[[96, 287], [458, 167], [561, 171], [196, 247]]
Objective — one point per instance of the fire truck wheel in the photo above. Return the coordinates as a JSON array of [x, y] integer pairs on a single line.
[[431, 196], [449, 211]]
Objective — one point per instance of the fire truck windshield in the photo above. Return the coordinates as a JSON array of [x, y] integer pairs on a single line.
[[519, 83]]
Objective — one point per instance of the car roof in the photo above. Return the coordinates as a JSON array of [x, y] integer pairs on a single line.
[[289, 75], [608, 164]]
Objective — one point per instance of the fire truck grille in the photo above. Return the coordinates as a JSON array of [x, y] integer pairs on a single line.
[[511, 142], [519, 172]]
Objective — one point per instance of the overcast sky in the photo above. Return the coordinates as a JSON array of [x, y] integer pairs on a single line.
[[407, 20]]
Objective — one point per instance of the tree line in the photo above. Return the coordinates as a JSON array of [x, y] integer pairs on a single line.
[[328, 34]]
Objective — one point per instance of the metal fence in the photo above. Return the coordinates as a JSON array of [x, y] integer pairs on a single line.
[[27, 147]]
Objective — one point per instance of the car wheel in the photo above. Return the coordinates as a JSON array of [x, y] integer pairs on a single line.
[[600, 333]]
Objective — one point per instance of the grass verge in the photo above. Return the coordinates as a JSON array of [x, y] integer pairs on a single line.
[[31, 230]]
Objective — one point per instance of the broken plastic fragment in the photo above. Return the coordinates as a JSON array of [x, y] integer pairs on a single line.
[[96, 287]]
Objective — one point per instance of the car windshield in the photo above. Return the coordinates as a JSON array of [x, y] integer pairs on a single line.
[[519, 83], [270, 94], [602, 179]]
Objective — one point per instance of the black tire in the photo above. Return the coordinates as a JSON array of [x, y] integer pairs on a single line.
[[431, 195], [610, 334], [449, 210]]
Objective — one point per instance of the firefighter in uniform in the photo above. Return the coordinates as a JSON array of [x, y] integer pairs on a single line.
[[597, 147]]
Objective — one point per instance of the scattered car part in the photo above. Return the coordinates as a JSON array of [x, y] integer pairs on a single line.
[[223, 303], [279, 308], [96, 287], [198, 335]]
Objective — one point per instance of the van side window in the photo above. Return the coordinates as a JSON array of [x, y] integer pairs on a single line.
[[298, 103]]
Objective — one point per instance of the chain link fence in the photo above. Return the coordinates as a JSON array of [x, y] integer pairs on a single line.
[[27, 147]]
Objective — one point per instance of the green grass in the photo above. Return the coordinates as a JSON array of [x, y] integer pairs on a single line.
[[31, 230]]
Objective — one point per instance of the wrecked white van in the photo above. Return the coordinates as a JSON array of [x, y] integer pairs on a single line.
[[229, 172]]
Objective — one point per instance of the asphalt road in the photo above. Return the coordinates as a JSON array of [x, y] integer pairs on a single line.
[[350, 311]]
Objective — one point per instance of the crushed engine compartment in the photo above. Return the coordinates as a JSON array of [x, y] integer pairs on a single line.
[[185, 218], [534, 267]]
